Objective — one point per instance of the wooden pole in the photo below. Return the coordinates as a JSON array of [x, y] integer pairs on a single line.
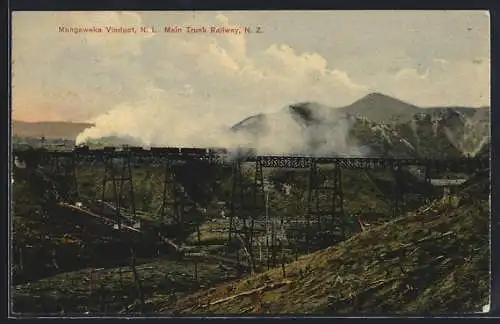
[[260, 252], [120, 275], [137, 280], [102, 297], [283, 258], [267, 230], [21, 259], [54, 261], [258, 301], [273, 241], [91, 281], [195, 270]]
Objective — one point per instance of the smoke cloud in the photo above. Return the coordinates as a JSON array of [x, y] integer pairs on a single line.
[[306, 128], [162, 120], [216, 82]]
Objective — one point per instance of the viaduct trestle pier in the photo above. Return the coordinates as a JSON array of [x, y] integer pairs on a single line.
[[247, 207]]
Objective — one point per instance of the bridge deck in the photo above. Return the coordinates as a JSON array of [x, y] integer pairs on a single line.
[[158, 156]]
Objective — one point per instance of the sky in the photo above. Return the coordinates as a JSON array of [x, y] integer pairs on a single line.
[[142, 80]]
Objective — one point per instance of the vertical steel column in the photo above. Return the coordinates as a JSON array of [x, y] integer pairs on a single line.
[[338, 195], [309, 212], [316, 178], [163, 206], [398, 194], [124, 178], [247, 201], [72, 176], [63, 170], [326, 189], [179, 204], [427, 173], [110, 176], [171, 195], [236, 198], [127, 176], [239, 206], [427, 182], [258, 207]]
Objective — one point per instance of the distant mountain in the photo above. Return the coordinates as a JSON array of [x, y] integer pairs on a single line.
[[251, 124], [467, 111], [376, 125], [303, 128], [50, 130], [381, 108], [444, 134]]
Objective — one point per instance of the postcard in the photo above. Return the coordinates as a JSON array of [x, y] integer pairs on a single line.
[[232, 163]]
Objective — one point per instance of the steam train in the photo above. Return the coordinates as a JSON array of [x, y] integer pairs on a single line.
[[172, 151]]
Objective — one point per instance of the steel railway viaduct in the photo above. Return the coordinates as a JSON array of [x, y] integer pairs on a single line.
[[325, 199]]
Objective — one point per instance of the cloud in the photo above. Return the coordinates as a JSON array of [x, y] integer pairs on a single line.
[[441, 61], [410, 74], [160, 118], [224, 83], [457, 83], [139, 84], [110, 44], [68, 76]]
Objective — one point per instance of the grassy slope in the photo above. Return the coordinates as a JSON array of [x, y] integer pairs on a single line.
[[447, 274], [160, 279], [81, 243], [78, 240], [296, 297]]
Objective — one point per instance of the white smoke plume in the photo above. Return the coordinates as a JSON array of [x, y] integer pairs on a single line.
[[173, 119], [322, 131], [158, 122], [161, 120], [218, 83]]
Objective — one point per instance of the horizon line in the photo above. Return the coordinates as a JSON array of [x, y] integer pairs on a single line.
[[298, 102]]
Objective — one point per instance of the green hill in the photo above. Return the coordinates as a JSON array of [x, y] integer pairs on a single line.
[[435, 261]]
